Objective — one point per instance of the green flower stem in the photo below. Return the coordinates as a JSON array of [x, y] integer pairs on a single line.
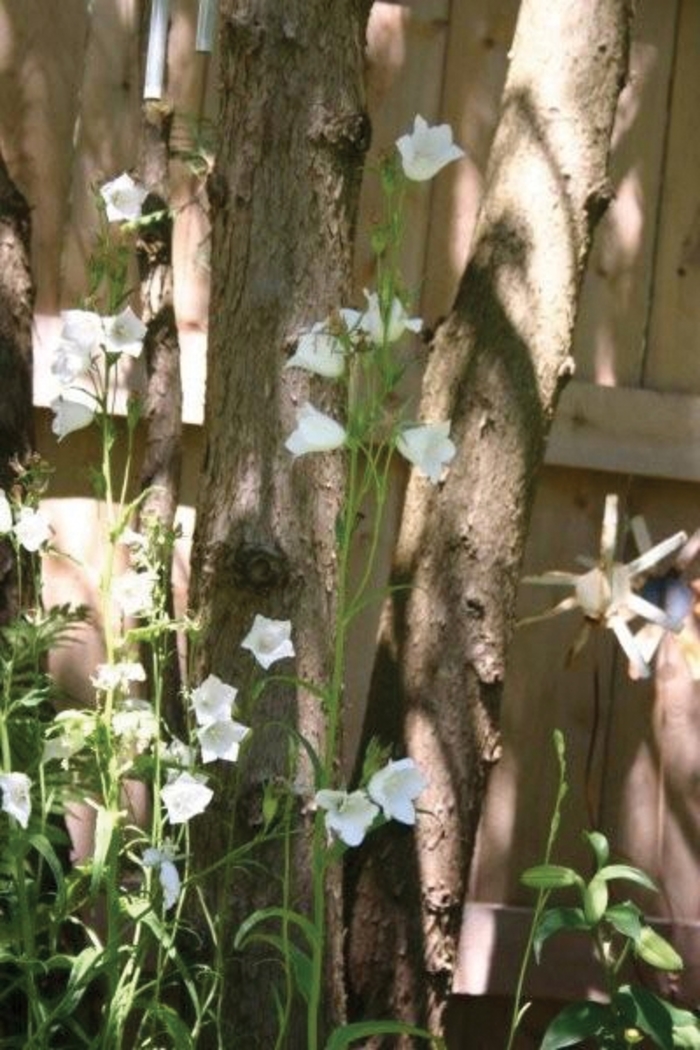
[[543, 895], [319, 921]]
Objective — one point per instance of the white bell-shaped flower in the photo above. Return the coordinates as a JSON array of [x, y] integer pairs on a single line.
[[213, 700], [427, 150], [72, 411], [124, 333], [269, 640], [347, 815], [16, 796], [395, 787], [185, 797], [428, 447], [123, 199], [221, 740], [315, 432]]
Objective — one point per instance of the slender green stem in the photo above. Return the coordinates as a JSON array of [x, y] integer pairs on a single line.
[[319, 920], [543, 895]]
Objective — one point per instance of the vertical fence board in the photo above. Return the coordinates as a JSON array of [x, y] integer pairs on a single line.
[[40, 81], [615, 303], [674, 341], [480, 35]]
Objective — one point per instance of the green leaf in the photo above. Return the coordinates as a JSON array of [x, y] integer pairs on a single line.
[[246, 927], [105, 824], [555, 919], [656, 951], [595, 899], [687, 1036], [173, 1025], [350, 1033], [681, 1017], [42, 845], [600, 846], [630, 874], [577, 1022], [626, 919], [642, 1009], [549, 877]]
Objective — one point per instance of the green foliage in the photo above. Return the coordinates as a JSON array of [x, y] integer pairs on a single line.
[[616, 930]]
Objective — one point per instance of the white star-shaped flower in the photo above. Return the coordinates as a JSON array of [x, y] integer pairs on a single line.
[[269, 640], [395, 787], [123, 199], [16, 796], [185, 797], [213, 700], [428, 446], [315, 432], [427, 150], [606, 593], [221, 740], [347, 815]]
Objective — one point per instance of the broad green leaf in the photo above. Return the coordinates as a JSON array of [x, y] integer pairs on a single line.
[[686, 1036], [626, 919], [555, 919], [683, 1018], [642, 1009], [595, 899], [630, 874], [656, 951], [549, 877], [600, 846], [351, 1033], [576, 1022]]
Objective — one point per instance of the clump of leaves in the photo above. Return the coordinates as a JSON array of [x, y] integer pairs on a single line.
[[618, 931]]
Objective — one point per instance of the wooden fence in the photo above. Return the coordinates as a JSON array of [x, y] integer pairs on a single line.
[[629, 422]]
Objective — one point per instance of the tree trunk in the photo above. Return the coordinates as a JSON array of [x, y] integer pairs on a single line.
[[16, 314], [162, 459], [498, 365], [292, 137]]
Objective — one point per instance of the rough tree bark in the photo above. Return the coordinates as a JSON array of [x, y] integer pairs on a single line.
[[292, 137], [16, 313], [498, 365], [162, 458]]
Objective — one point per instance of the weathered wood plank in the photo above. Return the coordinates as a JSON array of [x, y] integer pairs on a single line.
[[568, 969], [628, 430], [40, 79], [405, 56], [615, 302], [480, 35], [673, 360]]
